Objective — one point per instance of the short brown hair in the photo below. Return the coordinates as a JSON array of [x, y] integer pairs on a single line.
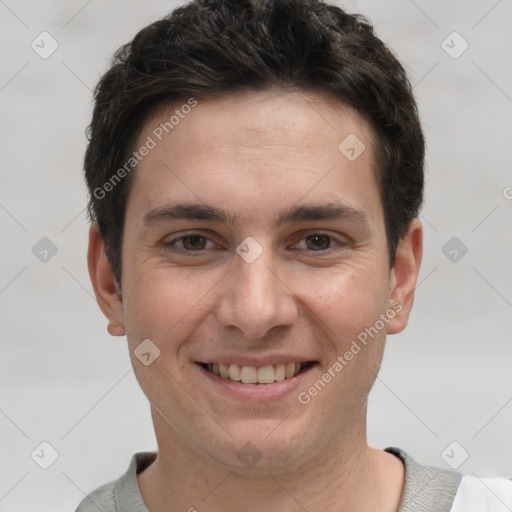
[[217, 47]]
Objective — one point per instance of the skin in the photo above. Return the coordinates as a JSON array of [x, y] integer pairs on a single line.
[[254, 155]]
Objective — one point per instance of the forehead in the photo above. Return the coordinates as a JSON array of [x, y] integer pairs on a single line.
[[256, 147], [252, 118]]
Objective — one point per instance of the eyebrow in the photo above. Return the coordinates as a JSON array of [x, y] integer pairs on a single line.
[[331, 211], [295, 214], [188, 211]]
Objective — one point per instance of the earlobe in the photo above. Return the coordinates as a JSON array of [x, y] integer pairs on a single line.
[[114, 328], [404, 276], [103, 281]]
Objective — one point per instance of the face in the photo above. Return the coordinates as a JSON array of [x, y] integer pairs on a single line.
[[255, 261]]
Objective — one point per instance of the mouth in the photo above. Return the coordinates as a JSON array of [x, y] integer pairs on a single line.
[[268, 374]]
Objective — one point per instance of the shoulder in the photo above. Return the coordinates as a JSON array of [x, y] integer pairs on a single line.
[[434, 489], [426, 488], [122, 495], [102, 499]]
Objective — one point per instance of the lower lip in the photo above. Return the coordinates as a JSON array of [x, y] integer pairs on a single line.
[[256, 392]]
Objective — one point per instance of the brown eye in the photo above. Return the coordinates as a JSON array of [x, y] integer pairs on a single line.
[[194, 242], [318, 242]]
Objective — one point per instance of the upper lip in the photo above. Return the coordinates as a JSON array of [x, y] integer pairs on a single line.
[[257, 362]]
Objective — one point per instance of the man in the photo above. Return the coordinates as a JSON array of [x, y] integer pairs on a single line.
[[256, 172]]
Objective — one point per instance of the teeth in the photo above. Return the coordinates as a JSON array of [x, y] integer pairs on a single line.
[[224, 370], [234, 372], [249, 375], [252, 375], [290, 370], [266, 375], [280, 372]]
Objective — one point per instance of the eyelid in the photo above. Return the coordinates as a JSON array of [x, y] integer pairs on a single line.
[[177, 237], [191, 232], [339, 241]]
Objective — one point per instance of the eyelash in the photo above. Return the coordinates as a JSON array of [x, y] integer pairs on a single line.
[[187, 252], [339, 244]]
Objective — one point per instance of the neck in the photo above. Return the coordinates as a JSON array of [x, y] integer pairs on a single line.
[[351, 477]]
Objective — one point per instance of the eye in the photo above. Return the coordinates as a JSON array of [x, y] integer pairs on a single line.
[[194, 242], [317, 242]]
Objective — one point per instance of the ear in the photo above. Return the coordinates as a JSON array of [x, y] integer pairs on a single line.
[[404, 276], [104, 283]]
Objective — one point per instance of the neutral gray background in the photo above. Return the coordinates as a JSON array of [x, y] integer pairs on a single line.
[[67, 382]]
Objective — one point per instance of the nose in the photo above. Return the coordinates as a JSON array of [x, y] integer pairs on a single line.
[[255, 298]]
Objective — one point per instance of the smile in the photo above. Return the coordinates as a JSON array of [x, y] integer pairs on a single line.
[[257, 375]]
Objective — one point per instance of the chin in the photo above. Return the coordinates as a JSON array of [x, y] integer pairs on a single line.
[[265, 444]]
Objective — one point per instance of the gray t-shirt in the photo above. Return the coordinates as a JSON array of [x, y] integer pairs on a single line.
[[426, 489]]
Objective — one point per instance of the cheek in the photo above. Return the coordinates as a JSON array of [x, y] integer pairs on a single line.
[[163, 305], [346, 301]]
